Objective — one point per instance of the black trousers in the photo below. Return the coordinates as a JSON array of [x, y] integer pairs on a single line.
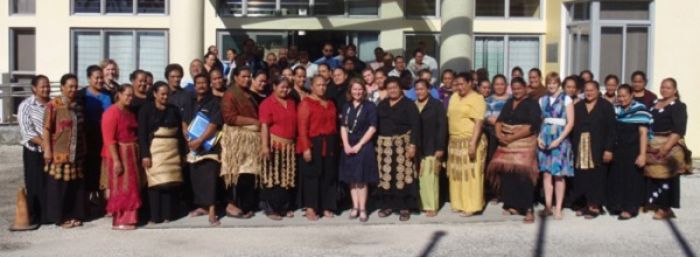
[[35, 184], [65, 200], [163, 203], [319, 177], [244, 193], [203, 178]]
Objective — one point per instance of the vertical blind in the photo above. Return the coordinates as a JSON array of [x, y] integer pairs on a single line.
[[523, 52], [148, 51], [489, 53]]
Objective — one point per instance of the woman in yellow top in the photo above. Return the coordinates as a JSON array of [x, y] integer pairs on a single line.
[[467, 147]]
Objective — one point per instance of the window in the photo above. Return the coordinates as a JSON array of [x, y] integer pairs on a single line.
[[131, 49], [500, 54], [22, 6], [508, 8], [622, 44], [417, 8], [23, 54], [120, 6], [429, 42], [257, 8]]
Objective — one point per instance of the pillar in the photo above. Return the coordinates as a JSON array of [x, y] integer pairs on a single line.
[[186, 31], [456, 36]]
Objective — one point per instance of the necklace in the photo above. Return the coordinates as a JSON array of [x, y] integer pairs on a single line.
[[354, 122]]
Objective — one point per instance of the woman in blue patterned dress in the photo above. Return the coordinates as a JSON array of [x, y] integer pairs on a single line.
[[555, 155], [494, 105]]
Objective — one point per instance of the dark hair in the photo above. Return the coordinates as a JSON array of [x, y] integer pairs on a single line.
[[625, 87], [418, 50], [482, 74], [156, 86], [232, 50], [611, 76], [575, 79], [399, 57], [499, 76], [536, 70], [516, 68], [380, 71], [208, 54], [66, 77], [35, 79], [595, 83], [423, 71], [675, 86], [136, 73], [422, 81], [294, 72], [341, 69], [348, 94], [447, 71], [639, 73], [346, 60], [120, 89], [390, 80], [203, 75], [91, 69], [351, 46], [324, 64], [586, 72], [518, 80], [277, 81], [259, 73], [378, 49], [173, 67], [465, 76], [237, 71], [149, 74]]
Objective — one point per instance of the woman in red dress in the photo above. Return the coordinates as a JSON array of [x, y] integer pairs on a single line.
[[120, 153]]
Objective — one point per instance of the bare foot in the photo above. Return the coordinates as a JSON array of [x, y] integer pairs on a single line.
[[311, 215], [529, 218], [430, 213]]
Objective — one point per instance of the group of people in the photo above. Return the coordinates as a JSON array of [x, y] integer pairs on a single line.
[[285, 134]]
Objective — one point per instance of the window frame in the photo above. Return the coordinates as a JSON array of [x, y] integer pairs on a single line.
[[506, 49], [507, 16], [438, 11], [278, 6], [134, 11], [11, 7], [103, 41], [595, 25]]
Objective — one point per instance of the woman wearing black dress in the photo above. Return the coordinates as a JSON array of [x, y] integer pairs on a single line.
[[625, 181], [593, 139], [667, 155], [399, 138]]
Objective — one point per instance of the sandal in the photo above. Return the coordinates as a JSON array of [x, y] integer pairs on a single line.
[[198, 212], [274, 216], [363, 216], [328, 214], [529, 218], [354, 213], [311, 215], [404, 215], [385, 213]]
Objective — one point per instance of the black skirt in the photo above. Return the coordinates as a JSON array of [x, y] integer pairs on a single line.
[[517, 191], [590, 185], [625, 183], [65, 200], [203, 176], [664, 193], [318, 178], [398, 186]]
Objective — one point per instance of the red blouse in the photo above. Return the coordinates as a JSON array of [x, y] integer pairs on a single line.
[[118, 126], [282, 121], [315, 120]]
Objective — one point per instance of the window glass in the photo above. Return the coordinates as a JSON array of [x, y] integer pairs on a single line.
[[294, 8], [153, 56], [581, 11], [363, 7], [611, 51], [420, 7], [230, 7], [23, 6], [366, 43], [636, 50], [329, 7], [120, 48], [86, 6], [119, 6], [88, 51], [489, 54], [24, 50], [429, 42], [524, 8], [151, 6], [490, 8], [523, 52], [627, 10]]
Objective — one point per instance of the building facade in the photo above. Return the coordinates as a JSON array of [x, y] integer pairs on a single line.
[[53, 37]]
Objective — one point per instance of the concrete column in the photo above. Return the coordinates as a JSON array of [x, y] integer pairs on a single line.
[[186, 31], [457, 35]]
